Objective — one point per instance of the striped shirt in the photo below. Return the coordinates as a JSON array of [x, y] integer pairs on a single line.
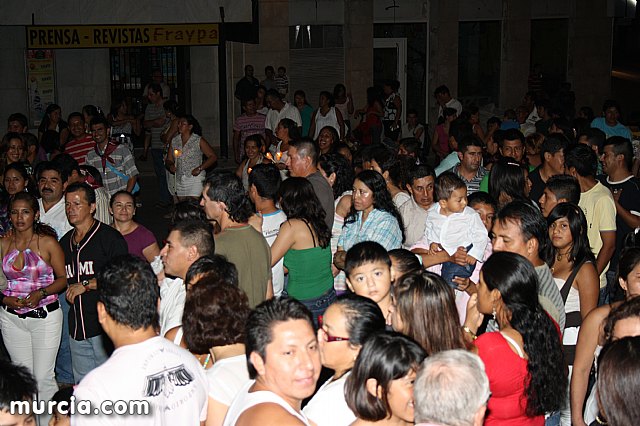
[[78, 148], [473, 185]]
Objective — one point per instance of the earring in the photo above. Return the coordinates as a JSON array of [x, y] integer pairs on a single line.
[[494, 313]]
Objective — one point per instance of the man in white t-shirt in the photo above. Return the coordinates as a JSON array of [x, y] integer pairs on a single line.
[[161, 377], [264, 182], [444, 99], [187, 242], [278, 109], [284, 363]]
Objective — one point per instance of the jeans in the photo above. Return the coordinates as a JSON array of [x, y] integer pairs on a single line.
[[34, 342], [158, 167], [553, 419], [318, 305], [88, 354], [64, 371], [451, 270]]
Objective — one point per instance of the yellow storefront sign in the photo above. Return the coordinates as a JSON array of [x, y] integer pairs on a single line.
[[91, 36]]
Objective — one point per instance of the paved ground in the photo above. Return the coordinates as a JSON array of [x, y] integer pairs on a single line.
[[148, 214]]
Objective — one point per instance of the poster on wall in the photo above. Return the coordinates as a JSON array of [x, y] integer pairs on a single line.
[[40, 83]]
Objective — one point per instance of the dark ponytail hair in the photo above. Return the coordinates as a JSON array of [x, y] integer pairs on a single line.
[[516, 280]]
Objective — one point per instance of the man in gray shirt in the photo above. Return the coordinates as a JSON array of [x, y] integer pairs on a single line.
[[303, 162]]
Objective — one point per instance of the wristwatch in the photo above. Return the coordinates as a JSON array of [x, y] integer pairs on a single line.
[[84, 283]]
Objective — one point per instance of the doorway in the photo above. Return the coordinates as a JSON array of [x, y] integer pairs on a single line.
[[390, 63]]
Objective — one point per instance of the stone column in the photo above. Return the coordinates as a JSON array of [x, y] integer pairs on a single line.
[[358, 48]]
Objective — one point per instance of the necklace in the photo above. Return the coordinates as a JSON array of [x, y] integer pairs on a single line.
[[560, 255], [15, 243], [206, 360]]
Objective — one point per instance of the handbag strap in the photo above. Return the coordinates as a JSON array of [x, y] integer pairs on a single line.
[[564, 292]]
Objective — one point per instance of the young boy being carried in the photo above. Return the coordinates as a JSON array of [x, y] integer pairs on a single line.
[[451, 224]]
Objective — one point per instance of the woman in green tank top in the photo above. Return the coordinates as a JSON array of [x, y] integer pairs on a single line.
[[304, 242]]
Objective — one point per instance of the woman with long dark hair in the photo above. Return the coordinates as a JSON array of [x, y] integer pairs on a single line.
[[304, 243], [31, 320], [380, 388], [327, 139], [424, 308], [573, 270], [184, 158], [619, 382], [373, 217], [286, 132], [575, 274], [509, 181], [52, 121], [344, 328], [523, 360]]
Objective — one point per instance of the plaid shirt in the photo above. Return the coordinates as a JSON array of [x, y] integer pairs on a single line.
[[380, 227], [122, 161]]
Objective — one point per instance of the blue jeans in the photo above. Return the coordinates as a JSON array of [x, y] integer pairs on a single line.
[[158, 167], [88, 354], [64, 371], [553, 419], [318, 305], [451, 270]]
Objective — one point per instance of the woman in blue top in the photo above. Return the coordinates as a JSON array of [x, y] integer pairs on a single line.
[[373, 217]]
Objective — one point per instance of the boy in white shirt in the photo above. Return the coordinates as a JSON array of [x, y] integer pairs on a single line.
[[451, 224]]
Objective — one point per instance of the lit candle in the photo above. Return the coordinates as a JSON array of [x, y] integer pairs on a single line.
[[176, 153], [249, 170], [278, 155], [270, 157]]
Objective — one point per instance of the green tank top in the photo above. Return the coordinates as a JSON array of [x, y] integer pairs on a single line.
[[309, 272]]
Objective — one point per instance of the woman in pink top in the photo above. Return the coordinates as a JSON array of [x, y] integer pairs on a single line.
[[31, 318], [441, 136], [523, 360]]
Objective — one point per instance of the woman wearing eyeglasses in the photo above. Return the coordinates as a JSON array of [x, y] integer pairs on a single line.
[[345, 326]]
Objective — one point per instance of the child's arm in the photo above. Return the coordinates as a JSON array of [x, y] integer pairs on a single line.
[[479, 238]]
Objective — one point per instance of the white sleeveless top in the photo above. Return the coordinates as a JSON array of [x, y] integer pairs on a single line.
[[331, 119], [245, 400]]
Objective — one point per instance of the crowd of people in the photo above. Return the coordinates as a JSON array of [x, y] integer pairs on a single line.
[[339, 276]]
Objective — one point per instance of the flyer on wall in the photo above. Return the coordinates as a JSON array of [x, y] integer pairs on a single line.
[[40, 71]]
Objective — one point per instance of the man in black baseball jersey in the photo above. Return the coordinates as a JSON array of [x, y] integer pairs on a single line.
[[88, 247]]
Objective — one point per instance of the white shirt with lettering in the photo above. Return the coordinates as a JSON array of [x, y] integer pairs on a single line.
[[155, 372]]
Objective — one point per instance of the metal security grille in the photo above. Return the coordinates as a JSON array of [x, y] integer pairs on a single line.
[[131, 70]]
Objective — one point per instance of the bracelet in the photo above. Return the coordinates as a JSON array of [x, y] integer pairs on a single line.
[[43, 292], [471, 333]]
